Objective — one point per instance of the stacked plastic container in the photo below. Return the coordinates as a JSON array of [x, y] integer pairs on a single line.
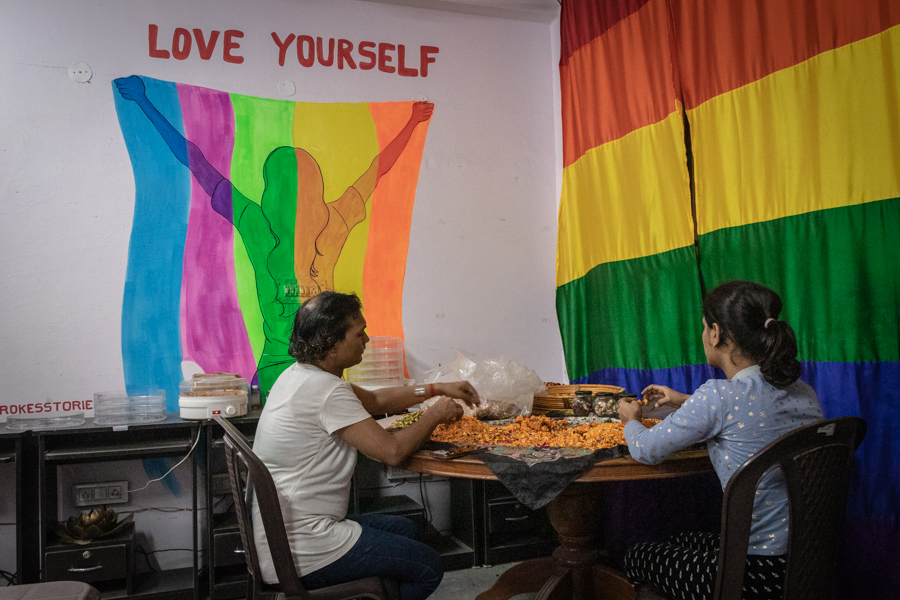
[[129, 408], [382, 364]]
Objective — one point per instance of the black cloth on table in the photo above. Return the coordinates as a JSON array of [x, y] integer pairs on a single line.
[[535, 476]]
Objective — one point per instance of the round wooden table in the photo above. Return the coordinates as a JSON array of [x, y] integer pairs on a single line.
[[573, 571]]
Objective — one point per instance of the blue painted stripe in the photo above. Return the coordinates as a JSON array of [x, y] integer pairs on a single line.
[[151, 336]]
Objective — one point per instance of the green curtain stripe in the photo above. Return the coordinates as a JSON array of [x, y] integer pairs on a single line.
[[642, 313], [851, 318]]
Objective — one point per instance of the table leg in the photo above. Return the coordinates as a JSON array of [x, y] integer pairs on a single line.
[[573, 571]]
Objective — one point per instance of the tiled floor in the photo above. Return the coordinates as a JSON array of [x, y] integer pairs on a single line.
[[465, 584]]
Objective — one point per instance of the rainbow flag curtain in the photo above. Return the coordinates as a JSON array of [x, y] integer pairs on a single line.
[[216, 273], [706, 141]]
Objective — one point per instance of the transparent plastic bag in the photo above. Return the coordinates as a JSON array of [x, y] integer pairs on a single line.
[[506, 388]]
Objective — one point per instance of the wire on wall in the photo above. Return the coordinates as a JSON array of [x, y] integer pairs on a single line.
[[186, 456]]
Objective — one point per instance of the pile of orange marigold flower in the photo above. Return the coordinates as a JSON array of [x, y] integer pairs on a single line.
[[535, 431]]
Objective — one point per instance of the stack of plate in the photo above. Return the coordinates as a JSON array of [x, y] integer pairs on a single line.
[[129, 408], [559, 397], [382, 364]]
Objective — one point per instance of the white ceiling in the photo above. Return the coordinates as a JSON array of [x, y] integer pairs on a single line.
[[541, 11]]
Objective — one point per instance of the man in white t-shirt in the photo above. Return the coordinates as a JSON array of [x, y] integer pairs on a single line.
[[310, 429]]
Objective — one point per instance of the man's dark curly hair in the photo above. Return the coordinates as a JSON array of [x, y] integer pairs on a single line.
[[321, 323]]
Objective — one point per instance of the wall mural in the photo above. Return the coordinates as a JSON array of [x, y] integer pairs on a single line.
[[245, 208]]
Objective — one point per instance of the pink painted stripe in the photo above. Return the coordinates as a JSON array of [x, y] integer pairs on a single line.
[[212, 326]]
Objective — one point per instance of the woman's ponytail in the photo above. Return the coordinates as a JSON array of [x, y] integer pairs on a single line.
[[747, 313], [779, 364]]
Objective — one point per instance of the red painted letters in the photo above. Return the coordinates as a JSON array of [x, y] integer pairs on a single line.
[[389, 58], [183, 42], [230, 45], [155, 52]]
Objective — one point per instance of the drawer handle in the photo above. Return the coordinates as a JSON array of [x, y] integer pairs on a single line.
[[522, 518], [83, 569], [239, 550]]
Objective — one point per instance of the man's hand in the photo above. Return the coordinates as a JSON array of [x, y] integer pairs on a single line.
[[629, 411], [664, 395], [421, 111], [131, 88], [447, 410], [461, 390]]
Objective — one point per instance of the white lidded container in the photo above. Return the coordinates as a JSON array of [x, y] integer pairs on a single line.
[[129, 408], [205, 394], [382, 364]]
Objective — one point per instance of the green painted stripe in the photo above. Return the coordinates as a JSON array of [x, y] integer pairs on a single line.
[[261, 125], [836, 271], [642, 313]]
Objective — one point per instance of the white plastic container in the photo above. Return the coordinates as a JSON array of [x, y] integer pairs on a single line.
[[382, 364], [31, 423], [207, 394], [124, 408]]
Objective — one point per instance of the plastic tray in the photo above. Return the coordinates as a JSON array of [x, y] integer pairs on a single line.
[[17, 423]]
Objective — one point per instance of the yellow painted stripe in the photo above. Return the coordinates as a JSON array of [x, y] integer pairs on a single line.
[[822, 134], [343, 141], [625, 199]]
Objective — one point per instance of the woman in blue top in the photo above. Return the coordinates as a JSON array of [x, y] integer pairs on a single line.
[[761, 400]]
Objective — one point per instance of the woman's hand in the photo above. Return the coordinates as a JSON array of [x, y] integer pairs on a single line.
[[630, 411], [446, 409], [461, 390], [664, 395]]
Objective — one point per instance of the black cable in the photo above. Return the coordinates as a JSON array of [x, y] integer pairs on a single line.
[[222, 499], [140, 549], [9, 577]]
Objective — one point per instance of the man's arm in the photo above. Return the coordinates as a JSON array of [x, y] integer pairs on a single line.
[[374, 441], [395, 399]]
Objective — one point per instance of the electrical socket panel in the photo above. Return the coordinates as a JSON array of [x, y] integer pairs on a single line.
[[93, 494], [395, 474]]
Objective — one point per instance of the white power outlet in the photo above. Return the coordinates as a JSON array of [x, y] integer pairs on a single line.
[[92, 494], [395, 474]]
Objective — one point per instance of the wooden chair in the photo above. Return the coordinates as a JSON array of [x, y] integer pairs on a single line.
[[248, 476], [816, 461]]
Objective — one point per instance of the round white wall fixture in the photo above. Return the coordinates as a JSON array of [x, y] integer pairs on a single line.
[[287, 88], [80, 72]]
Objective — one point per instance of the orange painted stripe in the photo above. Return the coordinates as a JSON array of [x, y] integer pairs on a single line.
[[724, 45], [390, 221], [618, 83]]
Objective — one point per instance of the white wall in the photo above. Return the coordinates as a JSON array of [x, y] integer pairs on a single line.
[[480, 272]]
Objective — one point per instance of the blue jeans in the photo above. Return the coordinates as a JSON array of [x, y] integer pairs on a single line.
[[387, 547]]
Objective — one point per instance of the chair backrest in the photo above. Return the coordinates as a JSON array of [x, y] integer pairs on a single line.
[[250, 478], [816, 461]]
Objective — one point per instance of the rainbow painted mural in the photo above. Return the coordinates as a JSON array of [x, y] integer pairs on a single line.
[[246, 207], [713, 140]]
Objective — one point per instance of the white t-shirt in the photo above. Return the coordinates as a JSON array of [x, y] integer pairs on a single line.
[[311, 466]]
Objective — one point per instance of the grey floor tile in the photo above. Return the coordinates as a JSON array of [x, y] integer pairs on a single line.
[[465, 584]]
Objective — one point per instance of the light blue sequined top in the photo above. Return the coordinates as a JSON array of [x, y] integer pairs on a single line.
[[736, 418]]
